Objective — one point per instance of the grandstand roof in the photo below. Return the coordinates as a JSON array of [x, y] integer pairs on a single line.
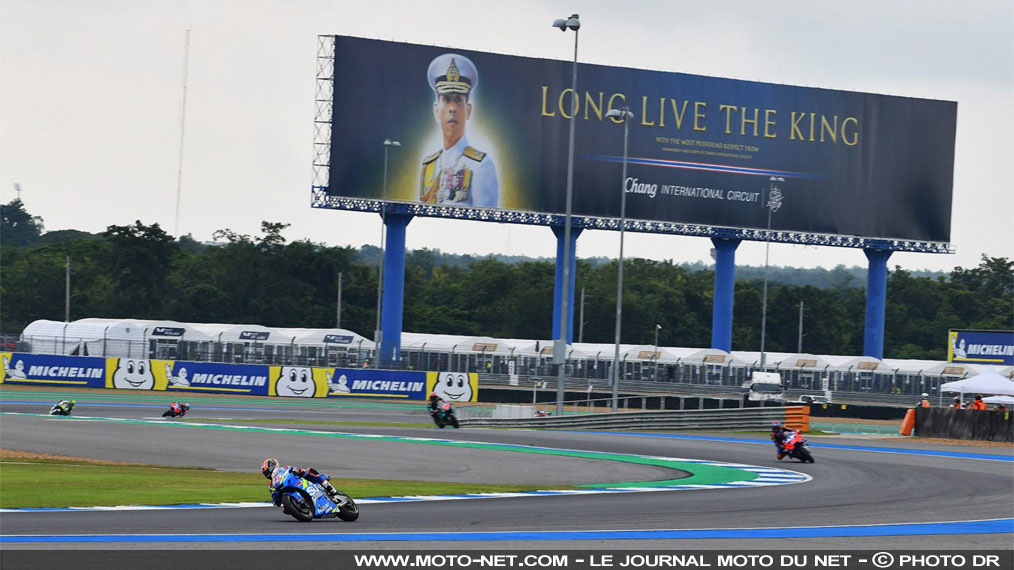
[[328, 337]]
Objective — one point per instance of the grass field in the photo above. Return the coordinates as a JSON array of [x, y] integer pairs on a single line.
[[27, 481]]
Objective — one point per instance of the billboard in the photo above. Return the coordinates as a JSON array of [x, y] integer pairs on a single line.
[[53, 370], [981, 347], [481, 130]]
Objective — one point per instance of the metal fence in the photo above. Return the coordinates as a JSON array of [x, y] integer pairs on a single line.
[[748, 419], [654, 376]]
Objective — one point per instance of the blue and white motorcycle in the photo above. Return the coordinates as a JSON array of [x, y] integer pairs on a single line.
[[305, 500]]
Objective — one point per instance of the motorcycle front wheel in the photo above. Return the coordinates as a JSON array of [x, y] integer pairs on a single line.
[[453, 421], [804, 455], [349, 511], [167, 413], [298, 508]]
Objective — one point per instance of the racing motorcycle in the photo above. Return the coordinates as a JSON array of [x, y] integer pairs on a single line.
[[62, 408], [794, 447], [176, 410], [306, 500], [444, 416]]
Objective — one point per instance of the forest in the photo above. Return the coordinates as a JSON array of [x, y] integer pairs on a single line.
[[140, 271]]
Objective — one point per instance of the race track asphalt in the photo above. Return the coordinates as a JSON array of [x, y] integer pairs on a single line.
[[855, 482]]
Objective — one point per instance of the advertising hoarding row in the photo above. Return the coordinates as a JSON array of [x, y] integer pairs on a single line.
[[482, 130], [218, 378]]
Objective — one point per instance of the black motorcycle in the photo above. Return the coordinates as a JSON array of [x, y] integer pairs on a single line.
[[795, 447], [444, 416], [61, 408], [176, 411]]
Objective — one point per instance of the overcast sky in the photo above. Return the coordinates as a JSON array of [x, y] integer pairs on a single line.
[[90, 104]]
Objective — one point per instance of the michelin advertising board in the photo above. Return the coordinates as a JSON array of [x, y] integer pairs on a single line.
[[53, 370], [218, 378], [483, 130], [981, 347]]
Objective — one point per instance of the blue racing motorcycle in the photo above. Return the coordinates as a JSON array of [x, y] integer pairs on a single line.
[[305, 500]]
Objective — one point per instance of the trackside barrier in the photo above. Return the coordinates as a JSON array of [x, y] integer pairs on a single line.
[[798, 418], [748, 419], [987, 425], [236, 379]]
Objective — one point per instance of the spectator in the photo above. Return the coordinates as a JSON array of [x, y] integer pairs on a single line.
[[978, 404], [924, 403], [957, 404]]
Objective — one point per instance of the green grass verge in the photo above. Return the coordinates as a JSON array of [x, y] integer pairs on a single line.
[[66, 483]]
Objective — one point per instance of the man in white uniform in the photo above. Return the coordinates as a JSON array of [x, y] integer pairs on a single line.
[[457, 174]]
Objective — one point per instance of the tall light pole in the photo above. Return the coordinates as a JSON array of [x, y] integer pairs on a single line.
[[66, 304], [377, 333], [658, 327], [625, 116], [560, 347], [774, 202], [799, 342]]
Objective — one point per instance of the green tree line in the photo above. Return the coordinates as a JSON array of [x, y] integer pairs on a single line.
[[140, 271]]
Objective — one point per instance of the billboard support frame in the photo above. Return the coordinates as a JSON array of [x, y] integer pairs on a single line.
[[321, 199]]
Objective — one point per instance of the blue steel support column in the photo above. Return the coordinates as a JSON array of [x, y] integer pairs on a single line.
[[394, 288], [876, 302], [725, 287], [558, 290]]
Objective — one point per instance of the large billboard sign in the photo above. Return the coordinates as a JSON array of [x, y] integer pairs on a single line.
[[482, 130], [981, 347]]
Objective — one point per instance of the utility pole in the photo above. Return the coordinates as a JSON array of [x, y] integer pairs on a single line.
[[66, 313], [338, 313], [799, 347], [580, 328], [183, 123]]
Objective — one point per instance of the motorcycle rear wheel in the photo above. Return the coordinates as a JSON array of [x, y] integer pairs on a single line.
[[297, 508], [804, 455], [349, 511]]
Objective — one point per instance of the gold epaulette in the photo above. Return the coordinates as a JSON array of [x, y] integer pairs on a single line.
[[432, 157], [476, 155]]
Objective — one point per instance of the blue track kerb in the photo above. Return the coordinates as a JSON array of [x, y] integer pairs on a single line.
[[996, 526]]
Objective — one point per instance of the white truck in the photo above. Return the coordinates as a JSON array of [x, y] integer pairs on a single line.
[[764, 386]]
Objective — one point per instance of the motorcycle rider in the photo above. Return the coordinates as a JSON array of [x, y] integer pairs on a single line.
[[66, 405], [434, 403], [778, 435], [271, 465], [178, 408]]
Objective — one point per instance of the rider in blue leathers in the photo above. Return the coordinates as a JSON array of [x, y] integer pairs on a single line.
[[270, 466], [778, 437]]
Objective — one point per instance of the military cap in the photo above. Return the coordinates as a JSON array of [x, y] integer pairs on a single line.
[[452, 73]]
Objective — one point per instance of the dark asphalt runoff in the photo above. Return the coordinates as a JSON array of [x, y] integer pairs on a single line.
[[854, 482]]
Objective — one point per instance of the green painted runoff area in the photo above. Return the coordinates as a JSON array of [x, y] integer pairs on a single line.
[[160, 398]]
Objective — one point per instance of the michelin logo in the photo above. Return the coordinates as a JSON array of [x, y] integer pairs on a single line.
[[228, 380], [386, 386], [65, 372], [990, 350]]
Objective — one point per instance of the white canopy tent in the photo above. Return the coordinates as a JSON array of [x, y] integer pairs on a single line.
[[986, 383], [109, 337]]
